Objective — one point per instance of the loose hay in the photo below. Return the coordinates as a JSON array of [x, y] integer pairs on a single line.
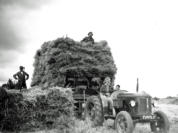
[[37, 109], [56, 58]]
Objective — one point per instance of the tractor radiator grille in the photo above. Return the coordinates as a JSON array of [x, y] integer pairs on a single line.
[[143, 105]]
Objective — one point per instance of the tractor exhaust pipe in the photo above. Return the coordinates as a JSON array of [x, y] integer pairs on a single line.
[[137, 86]]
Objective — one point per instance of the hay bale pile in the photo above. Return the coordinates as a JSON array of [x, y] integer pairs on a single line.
[[56, 58], [9, 111], [37, 109]]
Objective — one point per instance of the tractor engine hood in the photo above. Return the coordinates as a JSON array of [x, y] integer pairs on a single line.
[[124, 93]]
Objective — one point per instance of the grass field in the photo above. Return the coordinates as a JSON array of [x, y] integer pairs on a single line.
[[170, 109], [85, 127]]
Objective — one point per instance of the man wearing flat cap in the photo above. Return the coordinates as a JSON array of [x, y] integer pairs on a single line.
[[89, 38], [21, 76]]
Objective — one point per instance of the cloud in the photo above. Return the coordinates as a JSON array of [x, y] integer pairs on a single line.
[[3, 77], [7, 58], [12, 38], [9, 37], [27, 4]]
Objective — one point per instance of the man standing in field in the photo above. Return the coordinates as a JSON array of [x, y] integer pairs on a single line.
[[21, 76]]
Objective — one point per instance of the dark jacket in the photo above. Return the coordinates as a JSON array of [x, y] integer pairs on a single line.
[[88, 39], [21, 76], [3, 95]]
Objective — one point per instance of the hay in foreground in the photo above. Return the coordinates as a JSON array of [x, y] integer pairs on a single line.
[[37, 109]]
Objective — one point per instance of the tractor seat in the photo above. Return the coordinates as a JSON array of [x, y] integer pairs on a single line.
[[81, 87], [71, 79]]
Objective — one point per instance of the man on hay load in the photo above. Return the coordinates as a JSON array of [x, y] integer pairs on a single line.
[[21, 76], [89, 38]]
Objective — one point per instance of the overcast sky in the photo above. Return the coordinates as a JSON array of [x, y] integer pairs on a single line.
[[143, 36]]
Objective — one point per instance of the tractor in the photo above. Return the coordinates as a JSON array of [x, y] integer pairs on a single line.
[[130, 108], [135, 108]]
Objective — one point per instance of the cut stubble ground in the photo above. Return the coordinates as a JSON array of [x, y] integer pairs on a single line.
[[85, 126]]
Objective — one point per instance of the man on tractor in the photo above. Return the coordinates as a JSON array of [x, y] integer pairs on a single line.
[[106, 98]]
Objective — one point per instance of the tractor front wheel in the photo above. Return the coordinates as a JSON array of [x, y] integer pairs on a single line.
[[161, 125]]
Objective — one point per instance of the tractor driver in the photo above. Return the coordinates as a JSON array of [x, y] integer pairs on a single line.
[[117, 87], [105, 95]]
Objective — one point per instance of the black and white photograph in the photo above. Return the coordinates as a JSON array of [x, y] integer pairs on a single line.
[[88, 66]]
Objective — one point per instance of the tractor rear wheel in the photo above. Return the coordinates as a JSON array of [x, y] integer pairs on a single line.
[[124, 123], [94, 110]]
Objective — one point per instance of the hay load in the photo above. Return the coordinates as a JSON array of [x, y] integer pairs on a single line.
[[64, 55], [37, 109]]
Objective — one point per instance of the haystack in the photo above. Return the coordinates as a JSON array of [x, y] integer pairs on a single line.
[[56, 58], [37, 109]]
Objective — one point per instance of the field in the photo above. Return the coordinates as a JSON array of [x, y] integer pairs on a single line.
[[84, 127], [170, 109]]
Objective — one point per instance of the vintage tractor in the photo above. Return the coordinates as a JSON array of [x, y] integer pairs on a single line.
[[130, 108], [135, 108]]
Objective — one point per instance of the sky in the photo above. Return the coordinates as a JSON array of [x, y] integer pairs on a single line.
[[142, 36]]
